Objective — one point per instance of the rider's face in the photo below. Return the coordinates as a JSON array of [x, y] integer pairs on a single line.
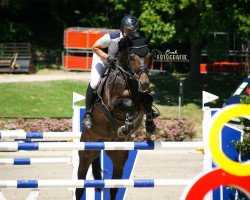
[[126, 31]]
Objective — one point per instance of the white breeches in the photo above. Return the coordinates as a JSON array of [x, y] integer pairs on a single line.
[[98, 69]]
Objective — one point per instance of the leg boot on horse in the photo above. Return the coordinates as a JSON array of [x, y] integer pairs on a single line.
[[150, 113], [90, 98]]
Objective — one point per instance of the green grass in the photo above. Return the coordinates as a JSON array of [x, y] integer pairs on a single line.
[[52, 98], [166, 93]]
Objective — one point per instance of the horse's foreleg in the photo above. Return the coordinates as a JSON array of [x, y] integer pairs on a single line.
[[85, 160], [119, 159], [148, 102], [128, 126]]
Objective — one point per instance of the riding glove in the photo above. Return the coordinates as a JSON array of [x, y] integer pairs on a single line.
[[111, 61]]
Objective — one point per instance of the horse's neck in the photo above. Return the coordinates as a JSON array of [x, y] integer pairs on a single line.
[[115, 86]]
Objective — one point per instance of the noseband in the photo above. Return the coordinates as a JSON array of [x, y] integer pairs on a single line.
[[141, 70]]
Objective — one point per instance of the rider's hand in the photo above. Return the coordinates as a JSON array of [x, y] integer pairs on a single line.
[[111, 61]]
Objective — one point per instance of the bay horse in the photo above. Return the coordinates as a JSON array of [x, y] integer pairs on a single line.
[[120, 108]]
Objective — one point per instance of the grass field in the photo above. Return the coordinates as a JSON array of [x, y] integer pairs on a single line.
[[51, 98], [54, 98]]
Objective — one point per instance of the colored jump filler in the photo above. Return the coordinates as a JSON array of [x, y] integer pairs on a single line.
[[232, 173], [214, 179]]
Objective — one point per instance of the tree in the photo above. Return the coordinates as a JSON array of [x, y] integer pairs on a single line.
[[42, 23], [190, 21], [169, 21]]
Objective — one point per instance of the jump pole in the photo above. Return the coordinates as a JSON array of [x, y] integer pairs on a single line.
[[66, 146], [21, 134], [118, 183], [30, 161]]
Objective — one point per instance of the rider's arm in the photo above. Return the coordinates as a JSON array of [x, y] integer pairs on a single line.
[[100, 44]]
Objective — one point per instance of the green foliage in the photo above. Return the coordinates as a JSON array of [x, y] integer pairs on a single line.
[[189, 22], [217, 49], [182, 21], [244, 99], [14, 32], [244, 146], [152, 22]]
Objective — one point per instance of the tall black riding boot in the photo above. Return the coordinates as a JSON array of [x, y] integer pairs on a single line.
[[90, 97]]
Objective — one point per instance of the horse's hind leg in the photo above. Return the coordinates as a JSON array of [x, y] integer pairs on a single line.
[[119, 159], [85, 160]]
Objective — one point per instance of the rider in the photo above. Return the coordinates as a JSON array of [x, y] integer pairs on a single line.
[[102, 60]]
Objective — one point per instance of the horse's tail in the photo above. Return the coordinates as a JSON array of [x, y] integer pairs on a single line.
[[96, 169]]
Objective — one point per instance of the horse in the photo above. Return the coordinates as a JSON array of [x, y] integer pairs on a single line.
[[118, 112]]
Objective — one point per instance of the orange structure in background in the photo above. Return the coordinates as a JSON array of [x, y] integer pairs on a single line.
[[81, 38], [77, 47], [77, 62], [224, 67]]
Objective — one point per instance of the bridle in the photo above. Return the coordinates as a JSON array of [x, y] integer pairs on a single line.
[[131, 73], [140, 70], [134, 74]]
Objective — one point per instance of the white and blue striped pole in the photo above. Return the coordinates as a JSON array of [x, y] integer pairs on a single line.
[[20, 134], [66, 146], [29, 161], [118, 183]]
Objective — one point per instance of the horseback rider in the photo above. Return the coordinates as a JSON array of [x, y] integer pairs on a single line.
[[101, 61]]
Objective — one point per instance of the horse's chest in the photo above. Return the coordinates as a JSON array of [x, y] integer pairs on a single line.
[[119, 86]]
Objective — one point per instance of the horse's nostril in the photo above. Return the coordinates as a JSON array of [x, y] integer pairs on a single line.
[[144, 86]]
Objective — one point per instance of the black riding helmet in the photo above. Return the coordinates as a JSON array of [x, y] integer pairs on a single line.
[[130, 22]]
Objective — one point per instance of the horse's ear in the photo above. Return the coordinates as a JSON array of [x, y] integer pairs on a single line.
[[148, 39]]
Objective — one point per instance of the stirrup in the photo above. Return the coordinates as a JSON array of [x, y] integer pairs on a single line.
[[87, 121]]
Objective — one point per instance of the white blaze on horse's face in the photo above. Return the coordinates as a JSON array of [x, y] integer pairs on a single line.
[[140, 67]]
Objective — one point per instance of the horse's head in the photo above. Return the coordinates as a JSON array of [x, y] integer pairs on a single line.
[[135, 57]]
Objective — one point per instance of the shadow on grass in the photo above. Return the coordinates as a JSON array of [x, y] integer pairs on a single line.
[[166, 88]]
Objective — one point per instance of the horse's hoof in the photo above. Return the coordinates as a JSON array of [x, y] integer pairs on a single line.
[[150, 127]]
